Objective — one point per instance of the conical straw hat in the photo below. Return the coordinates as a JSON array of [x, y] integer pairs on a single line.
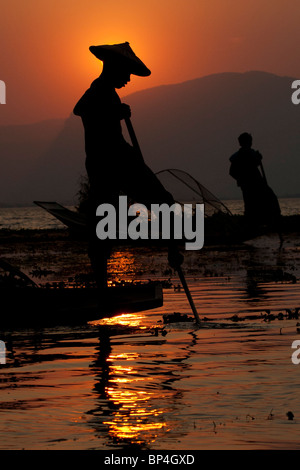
[[121, 52]]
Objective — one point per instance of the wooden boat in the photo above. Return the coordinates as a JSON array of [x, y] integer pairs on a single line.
[[38, 306], [73, 220], [219, 227]]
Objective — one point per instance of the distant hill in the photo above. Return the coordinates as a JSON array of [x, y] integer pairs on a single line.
[[191, 126], [56, 174], [21, 148], [194, 126]]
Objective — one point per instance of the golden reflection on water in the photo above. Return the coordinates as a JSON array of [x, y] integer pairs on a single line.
[[121, 264], [135, 417], [133, 320]]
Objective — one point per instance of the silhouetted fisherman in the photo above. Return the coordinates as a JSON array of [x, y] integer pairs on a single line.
[[113, 166], [260, 203]]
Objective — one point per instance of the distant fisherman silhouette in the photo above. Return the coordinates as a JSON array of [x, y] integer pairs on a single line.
[[113, 166], [260, 202]]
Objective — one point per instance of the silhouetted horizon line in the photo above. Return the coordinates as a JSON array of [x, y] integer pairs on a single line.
[[69, 203], [262, 72]]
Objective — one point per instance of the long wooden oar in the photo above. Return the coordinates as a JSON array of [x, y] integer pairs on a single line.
[[188, 294], [275, 201], [133, 137], [178, 268], [263, 172], [15, 271]]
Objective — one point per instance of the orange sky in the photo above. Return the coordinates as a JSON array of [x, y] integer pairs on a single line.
[[46, 64]]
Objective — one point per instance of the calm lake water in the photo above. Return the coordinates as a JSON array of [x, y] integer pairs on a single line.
[[115, 385], [17, 218]]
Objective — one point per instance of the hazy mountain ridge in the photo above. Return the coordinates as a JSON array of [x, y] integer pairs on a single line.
[[21, 146], [191, 126], [199, 128]]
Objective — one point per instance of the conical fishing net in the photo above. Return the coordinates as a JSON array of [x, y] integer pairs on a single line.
[[186, 189]]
